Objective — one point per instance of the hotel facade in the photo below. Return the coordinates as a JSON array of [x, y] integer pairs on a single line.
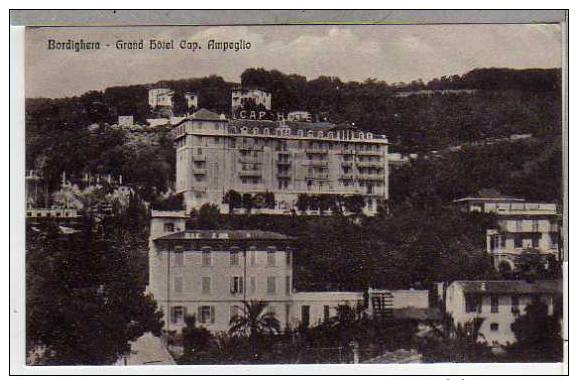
[[286, 158]]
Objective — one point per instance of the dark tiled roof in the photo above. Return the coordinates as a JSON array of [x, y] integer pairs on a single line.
[[517, 287], [224, 235]]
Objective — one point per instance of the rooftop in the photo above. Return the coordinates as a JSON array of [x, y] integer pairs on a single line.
[[229, 235], [205, 114], [490, 195], [511, 287]]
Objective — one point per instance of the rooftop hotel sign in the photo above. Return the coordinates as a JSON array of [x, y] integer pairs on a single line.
[[245, 114]]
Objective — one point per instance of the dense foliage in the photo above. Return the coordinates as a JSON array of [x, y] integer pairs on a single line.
[[531, 169], [85, 298], [408, 248]]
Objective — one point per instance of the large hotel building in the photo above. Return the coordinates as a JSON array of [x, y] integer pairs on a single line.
[[286, 158]]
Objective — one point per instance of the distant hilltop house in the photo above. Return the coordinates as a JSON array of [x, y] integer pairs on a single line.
[[161, 101], [192, 99], [209, 273], [287, 158], [498, 303], [522, 227], [246, 97]]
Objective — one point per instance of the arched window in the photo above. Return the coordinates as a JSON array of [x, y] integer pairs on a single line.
[[255, 131], [243, 130], [320, 134], [232, 129], [300, 133], [309, 133], [361, 135], [330, 134], [369, 135], [266, 131]]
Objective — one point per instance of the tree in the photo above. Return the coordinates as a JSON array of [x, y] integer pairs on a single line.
[[254, 321], [233, 199], [530, 265], [84, 301], [457, 343], [195, 339], [303, 202], [209, 217], [354, 204], [248, 202], [538, 337]]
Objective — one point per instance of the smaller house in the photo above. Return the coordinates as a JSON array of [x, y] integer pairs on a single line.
[[498, 303], [521, 227]]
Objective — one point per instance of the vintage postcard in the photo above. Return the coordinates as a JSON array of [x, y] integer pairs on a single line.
[[294, 194]]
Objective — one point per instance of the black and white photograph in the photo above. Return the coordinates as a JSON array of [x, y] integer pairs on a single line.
[[329, 193]]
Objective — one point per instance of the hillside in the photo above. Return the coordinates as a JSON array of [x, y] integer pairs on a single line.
[[417, 117]]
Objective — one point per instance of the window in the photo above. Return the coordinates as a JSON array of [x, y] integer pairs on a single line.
[[179, 258], [177, 315], [236, 285], [206, 258], [178, 284], [515, 304], [518, 226], [305, 315], [288, 285], [234, 258], [253, 285], [271, 257], [169, 227], [206, 285], [288, 258], [536, 242], [271, 285], [473, 303], [535, 225], [206, 314], [518, 242], [253, 257], [495, 303], [494, 327], [325, 313]]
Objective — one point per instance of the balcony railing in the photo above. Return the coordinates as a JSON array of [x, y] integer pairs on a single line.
[[369, 153], [199, 157], [250, 173], [318, 176], [371, 177], [369, 164], [199, 171], [317, 163], [249, 160]]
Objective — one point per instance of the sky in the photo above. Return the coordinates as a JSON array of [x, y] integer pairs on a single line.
[[392, 53]]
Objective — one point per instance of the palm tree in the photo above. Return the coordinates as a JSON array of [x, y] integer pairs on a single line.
[[254, 321], [457, 342]]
